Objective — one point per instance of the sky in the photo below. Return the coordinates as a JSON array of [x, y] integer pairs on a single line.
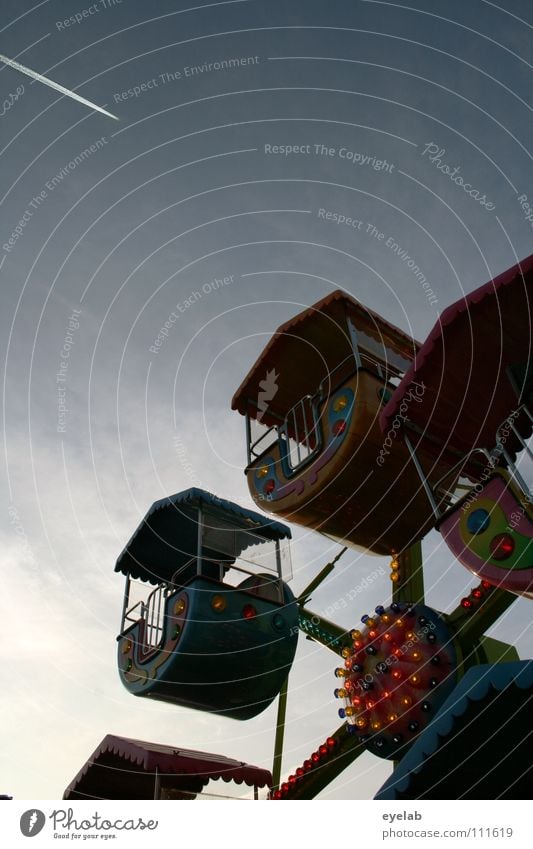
[[216, 179]]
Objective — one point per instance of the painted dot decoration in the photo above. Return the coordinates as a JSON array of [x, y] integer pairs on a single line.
[[401, 667]]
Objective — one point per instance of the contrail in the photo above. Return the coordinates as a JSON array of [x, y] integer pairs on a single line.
[[35, 76]]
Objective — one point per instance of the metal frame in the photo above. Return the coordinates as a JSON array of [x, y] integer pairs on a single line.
[[355, 346], [423, 478], [199, 542], [491, 456]]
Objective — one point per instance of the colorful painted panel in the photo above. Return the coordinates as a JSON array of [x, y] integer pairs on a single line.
[[491, 532]]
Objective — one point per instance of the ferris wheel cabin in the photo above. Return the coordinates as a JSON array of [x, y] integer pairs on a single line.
[[316, 454], [208, 620], [477, 414]]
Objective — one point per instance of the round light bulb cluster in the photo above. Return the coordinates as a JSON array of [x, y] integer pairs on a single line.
[[400, 668]]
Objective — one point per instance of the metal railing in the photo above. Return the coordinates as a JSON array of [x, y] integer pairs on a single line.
[[492, 459], [301, 441], [298, 450], [153, 610], [153, 613], [252, 450]]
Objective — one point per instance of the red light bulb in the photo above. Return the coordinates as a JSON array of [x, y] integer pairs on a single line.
[[501, 546]]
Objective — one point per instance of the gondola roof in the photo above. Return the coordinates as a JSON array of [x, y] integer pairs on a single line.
[[306, 349], [167, 537], [123, 768], [479, 744], [473, 370]]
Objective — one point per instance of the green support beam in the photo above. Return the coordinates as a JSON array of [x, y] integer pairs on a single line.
[[305, 595], [322, 631], [280, 734], [497, 652], [470, 625], [345, 753]]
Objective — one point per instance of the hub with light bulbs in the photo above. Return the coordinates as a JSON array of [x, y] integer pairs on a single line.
[[401, 667]]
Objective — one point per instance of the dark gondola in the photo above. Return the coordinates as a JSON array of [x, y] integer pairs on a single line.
[[218, 630]]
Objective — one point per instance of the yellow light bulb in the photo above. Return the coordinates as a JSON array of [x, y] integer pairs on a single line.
[[394, 576], [340, 403]]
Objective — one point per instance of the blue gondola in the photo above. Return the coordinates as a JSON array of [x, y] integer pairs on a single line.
[[218, 631]]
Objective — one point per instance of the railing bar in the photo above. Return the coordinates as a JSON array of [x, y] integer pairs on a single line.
[[423, 479], [461, 463], [152, 618], [306, 431], [316, 427], [297, 452], [260, 438], [159, 599], [248, 438], [144, 617]]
